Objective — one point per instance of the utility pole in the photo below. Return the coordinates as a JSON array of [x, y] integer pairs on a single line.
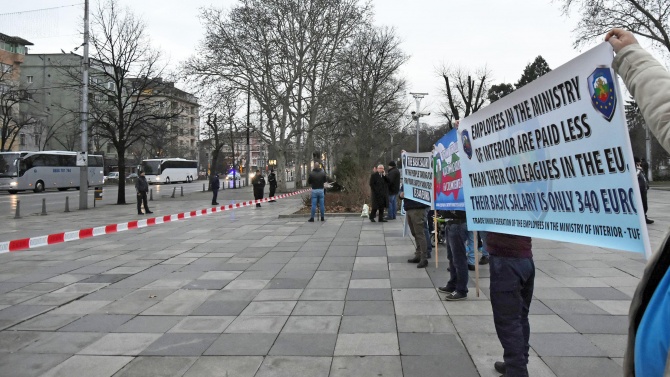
[[83, 172], [248, 164], [417, 114]]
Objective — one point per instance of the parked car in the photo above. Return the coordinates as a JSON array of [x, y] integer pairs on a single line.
[[112, 177], [232, 176]]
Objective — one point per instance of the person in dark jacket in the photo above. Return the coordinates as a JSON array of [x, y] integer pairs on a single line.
[[258, 181], [215, 184], [394, 189], [317, 179], [379, 185], [415, 212], [644, 187], [512, 283], [272, 179], [457, 236], [142, 187]]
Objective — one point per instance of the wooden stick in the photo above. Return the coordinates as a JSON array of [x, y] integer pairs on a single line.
[[476, 246]]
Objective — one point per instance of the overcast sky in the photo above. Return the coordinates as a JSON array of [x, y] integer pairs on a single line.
[[502, 35]]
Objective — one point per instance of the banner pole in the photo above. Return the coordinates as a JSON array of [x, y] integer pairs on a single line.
[[476, 246]]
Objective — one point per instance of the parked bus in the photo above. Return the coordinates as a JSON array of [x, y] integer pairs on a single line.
[[169, 170], [38, 171]]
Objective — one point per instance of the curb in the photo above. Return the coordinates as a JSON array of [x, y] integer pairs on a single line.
[[52, 239], [298, 215]]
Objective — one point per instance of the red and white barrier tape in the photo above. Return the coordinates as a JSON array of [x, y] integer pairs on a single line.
[[51, 239]]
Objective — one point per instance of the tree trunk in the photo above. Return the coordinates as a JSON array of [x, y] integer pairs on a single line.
[[121, 197], [281, 171]]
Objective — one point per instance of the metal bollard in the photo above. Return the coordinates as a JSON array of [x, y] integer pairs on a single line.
[[67, 204], [17, 215], [182, 190], [44, 207], [203, 187], [174, 190], [151, 194]]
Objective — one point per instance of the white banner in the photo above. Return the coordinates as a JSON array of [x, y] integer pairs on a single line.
[[417, 177]]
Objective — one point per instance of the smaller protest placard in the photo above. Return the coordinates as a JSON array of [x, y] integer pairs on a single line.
[[448, 182], [417, 177]]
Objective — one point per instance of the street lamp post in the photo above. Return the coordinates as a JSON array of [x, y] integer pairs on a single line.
[[417, 114]]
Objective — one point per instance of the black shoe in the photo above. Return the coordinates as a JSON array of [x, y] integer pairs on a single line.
[[140, 213], [311, 220], [483, 260], [215, 204], [422, 264], [383, 221], [471, 267], [429, 256], [455, 296], [149, 212], [648, 220], [414, 260], [445, 289], [258, 205], [373, 220], [500, 367], [322, 219]]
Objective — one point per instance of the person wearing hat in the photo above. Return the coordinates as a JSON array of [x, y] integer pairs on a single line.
[[272, 179], [644, 186], [394, 187], [258, 181], [215, 185]]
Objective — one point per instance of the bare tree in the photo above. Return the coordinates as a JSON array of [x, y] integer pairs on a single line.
[[126, 72], [464, 94], [646, 18], [12, 96]]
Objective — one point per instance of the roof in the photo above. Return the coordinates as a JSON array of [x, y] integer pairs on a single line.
[[10, 39]]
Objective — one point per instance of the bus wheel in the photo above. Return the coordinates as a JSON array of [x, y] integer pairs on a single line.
[[39, 186], [12, 191], [167, 180]]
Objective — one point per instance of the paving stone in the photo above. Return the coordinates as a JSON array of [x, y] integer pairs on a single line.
[[563, 345], [598, 324], [157, 366], [80, 307], [12, 341], [279, 294], [220, 308], [220, 275], [63, 343], [18, 365], [247, 284], [312, 324], [330, 279], [125, 344], [438, 366], [614, 307], [47, 322], [583, 366], [242, 344], [203, 324], [269, 308], [23, 312], [149, 324], [474, 324], [424, 323], [367, 324], [107, 294], [257, 324], [367, 344], [420, 308], [411, 283], [105, 278], [287, 284], [564, 307], [415, 294], [304, 344], [318, 308], [424, 344], [290, 366], [366, 274], [97, 323], [320, 294], [370, 366], [206, 284], [180, 345], [368, 308], [234, 295], [613, 345], [81, 365], [607, 293], [238, 366]]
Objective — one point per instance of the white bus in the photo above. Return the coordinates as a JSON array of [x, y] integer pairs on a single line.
[[38, 171], [169, 170]]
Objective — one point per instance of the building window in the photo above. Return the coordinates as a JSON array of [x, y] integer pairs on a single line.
[[192, 132], [174, 105], [109, 148], [29, 79], [37, 139], [22, 139], [192, 109], [5, 68]]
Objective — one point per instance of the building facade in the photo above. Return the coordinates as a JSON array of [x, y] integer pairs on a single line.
[[13, 93]]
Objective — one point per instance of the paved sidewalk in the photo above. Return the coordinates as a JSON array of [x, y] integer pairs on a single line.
[[243, 293]]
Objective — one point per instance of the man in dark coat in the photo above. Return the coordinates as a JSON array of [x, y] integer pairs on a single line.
[[379, 184], [272, 179], [258, 181], [394, 188], [215, 185], [142, 187]]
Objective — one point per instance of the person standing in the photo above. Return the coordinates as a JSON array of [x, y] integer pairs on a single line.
[[644, 187], [215, 184], [416, 217], [317, 179], [394, 188], [142, 187], [379, 184], [457, 236], [511, 291], [272, 179], [258, 181]]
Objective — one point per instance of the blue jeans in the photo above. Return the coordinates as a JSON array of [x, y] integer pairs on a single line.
[[470, 246], [512, 283], [393, 206], [457, 235], [317, 195]]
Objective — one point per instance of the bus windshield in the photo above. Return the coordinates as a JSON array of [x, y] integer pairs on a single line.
[[151, 167], [8, 164]]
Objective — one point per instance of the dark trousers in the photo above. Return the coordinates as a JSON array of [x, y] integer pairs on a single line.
[[512, 282], [457, 234], [215, 193], [416, 221], [258, 194], [142, 198], [374, 213], [643, 194], [272, 190]]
